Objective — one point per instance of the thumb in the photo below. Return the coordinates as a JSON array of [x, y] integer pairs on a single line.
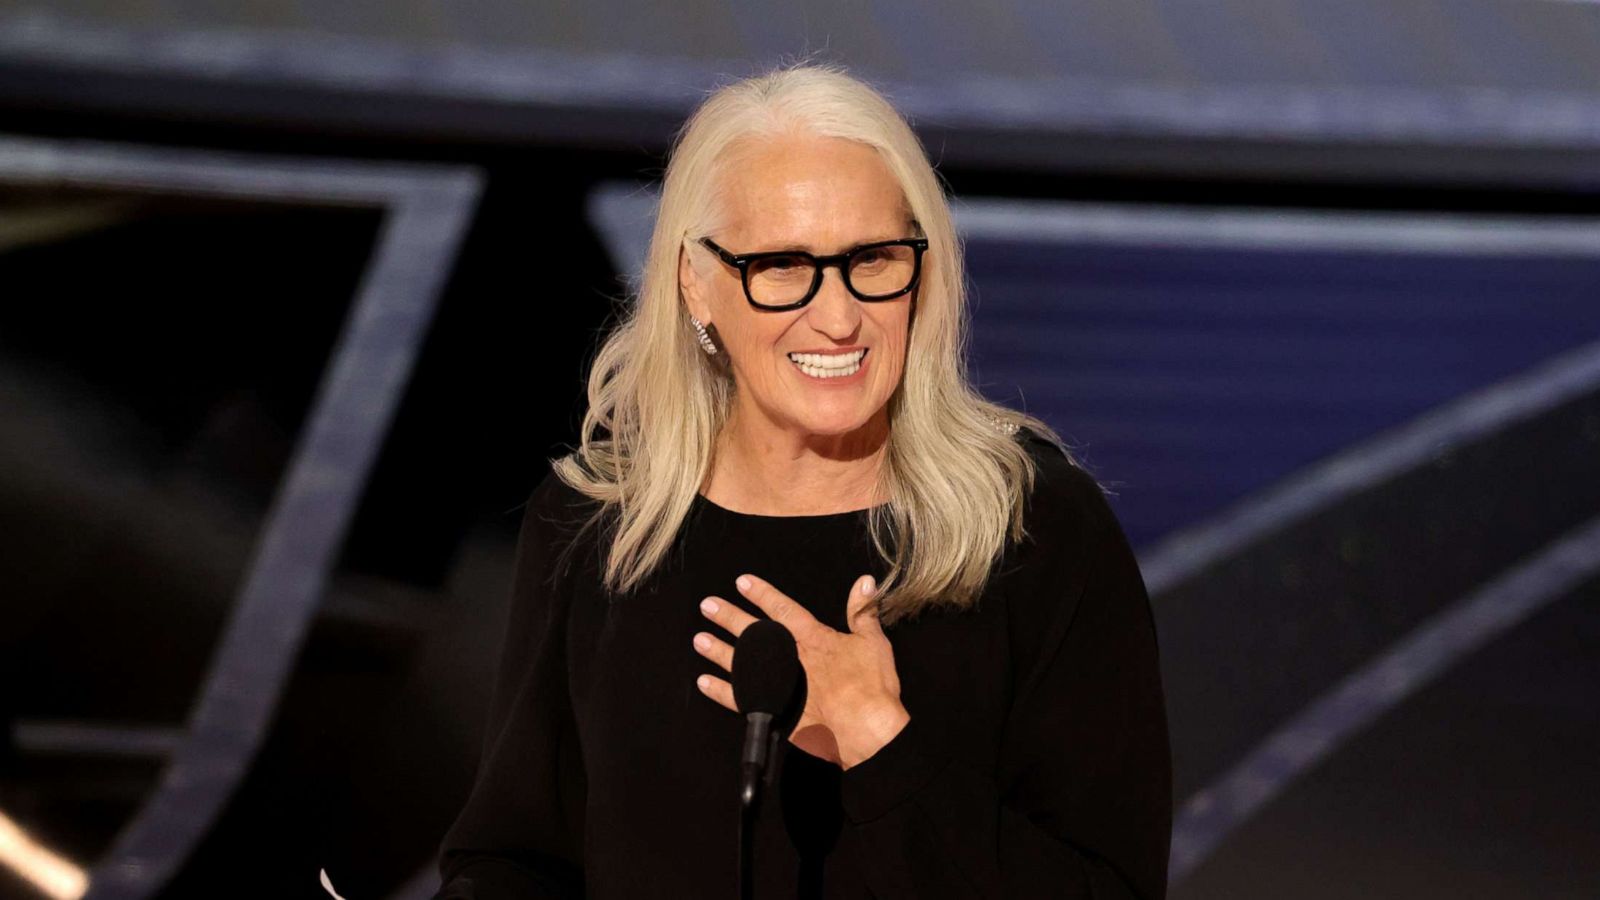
[[861, 613]]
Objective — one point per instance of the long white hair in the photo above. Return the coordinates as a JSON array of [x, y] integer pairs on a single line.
[[955, 474]]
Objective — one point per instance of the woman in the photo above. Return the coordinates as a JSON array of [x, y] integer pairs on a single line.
[[773, 434]]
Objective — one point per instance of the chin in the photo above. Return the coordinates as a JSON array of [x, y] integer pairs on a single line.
[[834, 425]]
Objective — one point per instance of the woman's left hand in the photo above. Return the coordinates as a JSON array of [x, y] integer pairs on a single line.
[[853, 703]]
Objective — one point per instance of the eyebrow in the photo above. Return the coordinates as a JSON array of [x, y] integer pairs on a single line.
[[794, 247]]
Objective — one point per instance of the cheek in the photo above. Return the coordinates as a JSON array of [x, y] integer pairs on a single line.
[[896, 335], [752, 339]]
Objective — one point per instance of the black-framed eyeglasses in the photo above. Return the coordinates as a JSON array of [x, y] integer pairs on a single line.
[[787, 279]]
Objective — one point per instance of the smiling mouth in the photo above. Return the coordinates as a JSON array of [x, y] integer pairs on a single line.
[[829, 365]]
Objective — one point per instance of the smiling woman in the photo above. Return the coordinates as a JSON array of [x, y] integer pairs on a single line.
[[783, 428]]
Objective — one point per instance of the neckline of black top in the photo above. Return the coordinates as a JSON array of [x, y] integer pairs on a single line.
[[706, 503]]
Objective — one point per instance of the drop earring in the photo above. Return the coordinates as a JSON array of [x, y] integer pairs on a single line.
[[705, 338]]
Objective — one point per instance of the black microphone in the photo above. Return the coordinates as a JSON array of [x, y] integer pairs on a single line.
[[766, 681]]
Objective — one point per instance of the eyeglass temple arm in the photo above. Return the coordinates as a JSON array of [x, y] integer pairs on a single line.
[[722, 254]]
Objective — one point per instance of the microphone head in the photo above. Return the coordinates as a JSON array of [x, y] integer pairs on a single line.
[[767, 676]]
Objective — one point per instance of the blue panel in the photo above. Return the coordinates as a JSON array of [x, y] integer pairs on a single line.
[[1190, 378]]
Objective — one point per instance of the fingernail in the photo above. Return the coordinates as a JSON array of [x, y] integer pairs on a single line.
[[703, 641], [709, 605], [743, 582], [869, 587], [703, 682]]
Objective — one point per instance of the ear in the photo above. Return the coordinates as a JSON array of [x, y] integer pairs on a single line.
[[692, 288]]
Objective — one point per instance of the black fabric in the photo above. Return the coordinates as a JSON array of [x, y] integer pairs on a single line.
[[1035, 763]]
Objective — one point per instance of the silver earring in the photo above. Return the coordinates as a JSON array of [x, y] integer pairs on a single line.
[[705, 339], [1001, 425]]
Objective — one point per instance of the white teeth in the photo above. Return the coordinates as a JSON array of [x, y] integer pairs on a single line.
[[828, 365], [828, 361], [816, 372]]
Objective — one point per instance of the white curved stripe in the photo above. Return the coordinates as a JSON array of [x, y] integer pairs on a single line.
[[1471, 417], [1262, 228], [1553, 116], [426, 212], [46, 871], [1449, 636]]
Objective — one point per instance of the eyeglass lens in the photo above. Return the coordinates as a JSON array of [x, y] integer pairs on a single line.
[[872, 271]]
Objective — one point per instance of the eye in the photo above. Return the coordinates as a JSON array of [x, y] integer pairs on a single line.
[[779, 267], [871, 259]]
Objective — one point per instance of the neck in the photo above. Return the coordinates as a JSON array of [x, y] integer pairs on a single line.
[[766, 470]]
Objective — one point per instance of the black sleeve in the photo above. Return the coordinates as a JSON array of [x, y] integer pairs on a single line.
[[1080, 804], [520, 833]]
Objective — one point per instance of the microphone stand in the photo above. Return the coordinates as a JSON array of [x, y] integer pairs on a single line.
[[757, 770]]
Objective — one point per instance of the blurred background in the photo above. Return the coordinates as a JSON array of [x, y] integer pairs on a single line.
[[295, 301]]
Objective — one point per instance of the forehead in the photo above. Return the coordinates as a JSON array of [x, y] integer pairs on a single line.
[[809, 192]]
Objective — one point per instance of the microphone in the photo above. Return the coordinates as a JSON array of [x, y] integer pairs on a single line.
[[766, 681]]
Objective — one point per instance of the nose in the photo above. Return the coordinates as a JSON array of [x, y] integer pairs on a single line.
[[834, 310]]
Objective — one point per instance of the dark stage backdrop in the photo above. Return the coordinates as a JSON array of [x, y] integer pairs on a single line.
[[296, 301]]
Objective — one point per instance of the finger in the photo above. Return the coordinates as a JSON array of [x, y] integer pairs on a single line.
[[726, 614], [861, 610], [719, 652], [778, 606], [718, 690]]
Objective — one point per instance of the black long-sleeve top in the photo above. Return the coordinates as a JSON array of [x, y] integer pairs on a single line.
[[1035, 762]]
